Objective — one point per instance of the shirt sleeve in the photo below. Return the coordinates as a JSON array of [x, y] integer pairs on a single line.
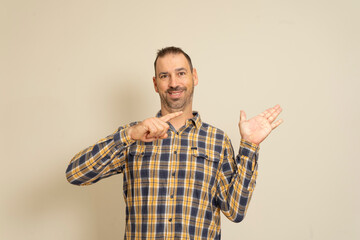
[[103, 159], [237, 179]]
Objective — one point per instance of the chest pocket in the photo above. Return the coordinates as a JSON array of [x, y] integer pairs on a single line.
[[140, 164], [205, 166]]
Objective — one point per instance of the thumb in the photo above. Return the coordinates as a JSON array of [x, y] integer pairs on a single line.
[[242, 116]]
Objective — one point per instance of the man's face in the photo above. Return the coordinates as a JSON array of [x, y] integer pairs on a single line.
[[175, 82]]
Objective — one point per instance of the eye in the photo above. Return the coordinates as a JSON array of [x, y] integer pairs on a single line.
[[162, 76], [181, 73]]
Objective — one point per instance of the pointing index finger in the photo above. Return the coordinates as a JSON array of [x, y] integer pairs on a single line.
[[170, 116]]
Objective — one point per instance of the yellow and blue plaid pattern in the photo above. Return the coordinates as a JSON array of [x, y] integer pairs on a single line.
[[174, 188]]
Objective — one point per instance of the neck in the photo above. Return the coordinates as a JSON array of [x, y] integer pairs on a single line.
[[179, 121]]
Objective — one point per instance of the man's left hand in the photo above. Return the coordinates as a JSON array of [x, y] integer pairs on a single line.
[[256, 129]]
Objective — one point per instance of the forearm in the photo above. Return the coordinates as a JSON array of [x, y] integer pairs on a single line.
[[100, 160], [238, 192]]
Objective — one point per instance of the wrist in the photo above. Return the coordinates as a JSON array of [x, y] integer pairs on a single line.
[[249, 141], [128, 132]]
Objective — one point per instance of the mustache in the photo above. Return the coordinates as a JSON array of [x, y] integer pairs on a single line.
[[175, 89]]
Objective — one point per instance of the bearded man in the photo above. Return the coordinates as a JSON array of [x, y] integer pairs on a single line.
[[179, 172]]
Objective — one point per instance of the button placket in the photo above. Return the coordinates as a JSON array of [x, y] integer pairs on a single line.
[[171, 188], [173, 166]]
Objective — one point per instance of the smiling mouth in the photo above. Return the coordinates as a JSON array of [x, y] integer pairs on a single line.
[[175, 93]]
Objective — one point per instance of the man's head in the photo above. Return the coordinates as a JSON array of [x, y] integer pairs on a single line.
[[174, 80], [172, 50]]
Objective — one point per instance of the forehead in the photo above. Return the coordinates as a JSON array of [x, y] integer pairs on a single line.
[[170, 62]]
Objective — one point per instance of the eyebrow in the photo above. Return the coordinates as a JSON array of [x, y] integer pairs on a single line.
[[162, 73], [176, 70], [180, 69]]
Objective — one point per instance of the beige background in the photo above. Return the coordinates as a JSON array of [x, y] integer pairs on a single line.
[[73, 71]]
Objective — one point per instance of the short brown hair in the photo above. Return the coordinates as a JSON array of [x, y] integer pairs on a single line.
[[172, 50]]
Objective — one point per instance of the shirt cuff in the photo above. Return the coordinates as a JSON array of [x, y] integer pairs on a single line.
[[246, 144], [248, 153], [122, 139]]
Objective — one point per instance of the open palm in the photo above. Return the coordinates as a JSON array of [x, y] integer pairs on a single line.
[[256, 129]]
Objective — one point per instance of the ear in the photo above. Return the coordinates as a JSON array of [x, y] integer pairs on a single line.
[[155, 85], [195, 77]]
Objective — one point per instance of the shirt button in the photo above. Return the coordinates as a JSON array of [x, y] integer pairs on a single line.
[[172, 196], [175, 152], [170, 219], [173, 173]]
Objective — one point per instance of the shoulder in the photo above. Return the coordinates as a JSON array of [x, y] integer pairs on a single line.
[[217, 143], [214, 133]]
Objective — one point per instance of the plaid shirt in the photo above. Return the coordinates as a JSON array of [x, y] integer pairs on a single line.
[[174, 188]]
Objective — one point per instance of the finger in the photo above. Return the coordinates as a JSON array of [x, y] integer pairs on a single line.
[[163, 127], [170, 116], [149, 139], [158, 128], [152, 130], [267, 113], [242, 116], [276, 124], [163, 136], [152, 139], [274, 115]]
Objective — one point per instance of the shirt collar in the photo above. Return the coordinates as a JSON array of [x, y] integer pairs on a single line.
[[196, 120]]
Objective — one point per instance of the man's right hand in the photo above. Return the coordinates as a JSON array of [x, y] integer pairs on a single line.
[[152, 129]]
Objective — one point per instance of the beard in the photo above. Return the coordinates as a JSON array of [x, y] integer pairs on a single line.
[[179, 104]]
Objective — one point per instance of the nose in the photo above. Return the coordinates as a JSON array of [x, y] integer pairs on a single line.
[[172, 81]]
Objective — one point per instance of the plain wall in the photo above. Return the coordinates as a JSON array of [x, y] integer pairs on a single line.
[[73, 71]]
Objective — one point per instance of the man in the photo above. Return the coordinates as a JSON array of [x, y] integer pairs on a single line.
[[179, 172]]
